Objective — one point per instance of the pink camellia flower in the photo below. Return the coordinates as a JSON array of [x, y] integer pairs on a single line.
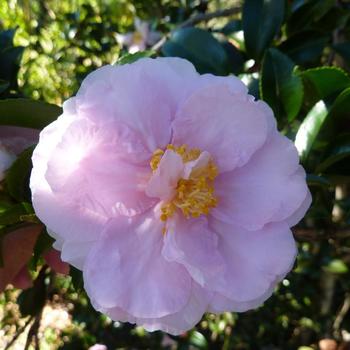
[[172, 191]]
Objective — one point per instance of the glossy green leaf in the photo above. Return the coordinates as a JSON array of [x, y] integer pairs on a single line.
[[199, 47], [317, 181], [280, 87], [322, 82], [17, 177], [309, 129], [336, 154], [27, 113], [231, 27], [13, 214], [262, 20], [305, 47]]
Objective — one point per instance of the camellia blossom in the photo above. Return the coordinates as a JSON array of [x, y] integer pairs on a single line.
[[172, 191], [140, 39]]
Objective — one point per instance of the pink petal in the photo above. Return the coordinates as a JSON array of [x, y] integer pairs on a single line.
[[191, 243], [230, 126], [174, 324], [164, 180], [255, 260], [125, 269], [168, 79], [271, 187], [17, 139]]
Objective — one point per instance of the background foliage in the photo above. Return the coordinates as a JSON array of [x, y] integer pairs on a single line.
[[293, 54]]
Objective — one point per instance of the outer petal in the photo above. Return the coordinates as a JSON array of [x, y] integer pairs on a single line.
[[255, 260], [191, 243], [176, 323], [271, 187], [66, 221], [125, 269], [160, 83], [230, 126]]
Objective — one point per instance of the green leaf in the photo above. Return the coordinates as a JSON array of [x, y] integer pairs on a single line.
[[305, 47], [262, 20], [43, 243], [317, 181], [336, 266], [198, 340], [280, 87], [17, 177], [199, 47], [231, 27], [13, 214], [77, 278], [27, 113], [309, 129], [343, 49], [311, 11], [336, 154], [133, 57], [322, 82]]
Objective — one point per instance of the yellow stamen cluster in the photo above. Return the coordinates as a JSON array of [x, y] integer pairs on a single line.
[[194, 196]]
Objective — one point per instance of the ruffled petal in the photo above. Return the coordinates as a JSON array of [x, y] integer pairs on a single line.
[[169, 78], [191, 243], [174, 324], [230, 126], [126, 269], [271, 187], [255, 260]]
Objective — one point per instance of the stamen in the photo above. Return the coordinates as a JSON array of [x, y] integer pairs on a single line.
[[194, 196]]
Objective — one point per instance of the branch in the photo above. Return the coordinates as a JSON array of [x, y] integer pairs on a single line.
[[205, 17], [306, 234]]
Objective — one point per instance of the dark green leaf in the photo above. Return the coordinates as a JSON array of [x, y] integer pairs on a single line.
[[3, 85], [199, 47], [309, 129], [17, 177], [235, 58], [31, 301], [27, 113], [322, 82], [308, 13], [337, 154], [343, 49], [316, 180], [77, 278], [13, 214], [6, 38], [262, 20], [336, 266], [133, 57], [281, 88], [305, 47], [43, 244], [231, 27]]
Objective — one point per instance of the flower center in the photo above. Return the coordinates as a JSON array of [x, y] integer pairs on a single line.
[[194, 195]]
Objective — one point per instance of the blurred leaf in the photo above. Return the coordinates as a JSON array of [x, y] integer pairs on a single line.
[[315, 180], [231, 27], [280, 87], [198, 340], [199, 47], [13, 214], [17, 177], [343, 49], [43, 244], [309, 129], [27, 113], [3, 85], [77, 278], [336, 154], [305, 47], [9, 63], [6, 38], [235, 58], [262, 20], [336, 266], [31, 301], [322, 82], [309, 12], [133, 57]]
